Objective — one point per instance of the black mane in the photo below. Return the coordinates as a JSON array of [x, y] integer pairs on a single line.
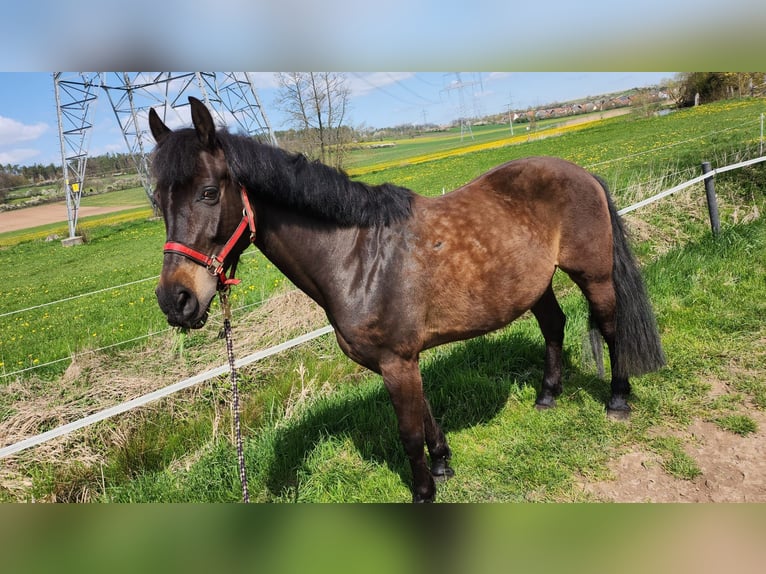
[[277, 176]]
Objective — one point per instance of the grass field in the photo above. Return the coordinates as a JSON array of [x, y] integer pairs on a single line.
[[320, 428], [132, 197], [367, 158]]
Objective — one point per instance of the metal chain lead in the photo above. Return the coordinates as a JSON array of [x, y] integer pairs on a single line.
[[224, 295]]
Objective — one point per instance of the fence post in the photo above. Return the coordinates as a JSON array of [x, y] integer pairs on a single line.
[[712, 201]]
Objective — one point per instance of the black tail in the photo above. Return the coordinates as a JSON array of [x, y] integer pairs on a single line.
[[637, 344]]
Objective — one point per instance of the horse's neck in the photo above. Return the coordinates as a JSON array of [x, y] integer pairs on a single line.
[[310, 253]]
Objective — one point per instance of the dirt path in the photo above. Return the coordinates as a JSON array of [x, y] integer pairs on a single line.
[[733, 470], [733, 467], [44, 214], [590, 117]]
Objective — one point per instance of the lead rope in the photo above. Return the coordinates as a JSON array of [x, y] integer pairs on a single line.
[[224, 296]]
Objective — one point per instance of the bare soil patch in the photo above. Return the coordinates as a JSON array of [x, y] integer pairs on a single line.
[[733, 469], [27, 217]]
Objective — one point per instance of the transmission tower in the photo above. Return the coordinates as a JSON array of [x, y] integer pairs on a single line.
[[239, 97], [230, 96], [75, 99], [460, 86]]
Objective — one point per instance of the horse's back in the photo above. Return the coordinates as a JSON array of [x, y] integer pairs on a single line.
[[536, 200], [488, 250], [565, 199], [542, 180]]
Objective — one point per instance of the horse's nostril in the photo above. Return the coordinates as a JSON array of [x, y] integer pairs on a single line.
[[182, 298], [186, 303]]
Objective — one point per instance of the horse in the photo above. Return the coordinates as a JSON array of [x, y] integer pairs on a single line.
[[397, 272]]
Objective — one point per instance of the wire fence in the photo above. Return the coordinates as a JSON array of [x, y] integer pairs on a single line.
[[259, 355], [689, 183], [158, 394], [126, 341], [129, 341], [655, 149], [73, 297]]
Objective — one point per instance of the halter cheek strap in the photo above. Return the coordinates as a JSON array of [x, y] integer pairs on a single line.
[[215, 264]]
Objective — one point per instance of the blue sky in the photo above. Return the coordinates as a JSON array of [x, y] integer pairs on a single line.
[[29, 132]]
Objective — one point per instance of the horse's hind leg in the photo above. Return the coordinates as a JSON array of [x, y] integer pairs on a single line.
[[551, 319], [437, 445], [603, 308]]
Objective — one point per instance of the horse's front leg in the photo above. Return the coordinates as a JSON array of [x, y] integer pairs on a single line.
[[405, 387]]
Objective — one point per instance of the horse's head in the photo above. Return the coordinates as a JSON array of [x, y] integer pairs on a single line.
[[202, 208]]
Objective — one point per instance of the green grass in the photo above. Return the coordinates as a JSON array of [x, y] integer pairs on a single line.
[[127, 197], [367, 158], [320, 428], [39, 272], [738, 424], [675, 460], [626, 150], [340, 445]]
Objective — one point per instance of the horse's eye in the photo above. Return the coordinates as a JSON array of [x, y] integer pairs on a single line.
[[209, 194]]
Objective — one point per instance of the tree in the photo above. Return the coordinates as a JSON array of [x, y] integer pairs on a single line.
[[712, 86], [316, 103]]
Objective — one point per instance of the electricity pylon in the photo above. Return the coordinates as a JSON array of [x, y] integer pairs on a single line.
[[460, 86], [75, 99], [231, 96]]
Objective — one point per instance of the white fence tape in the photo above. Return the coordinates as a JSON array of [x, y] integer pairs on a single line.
[[158, 394], [258, 355], [686, 184]]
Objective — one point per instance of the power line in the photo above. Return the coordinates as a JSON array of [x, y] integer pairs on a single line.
[[383, 90], [423, 80], [410, 90]]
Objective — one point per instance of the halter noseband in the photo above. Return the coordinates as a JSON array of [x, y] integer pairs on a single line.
[[214, 264]]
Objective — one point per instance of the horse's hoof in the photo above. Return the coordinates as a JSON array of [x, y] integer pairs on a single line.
[[441, 470], [420, 499], [545, 404], [618, 409]]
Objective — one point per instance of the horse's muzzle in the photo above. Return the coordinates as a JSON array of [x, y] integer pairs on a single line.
[[181, 307]]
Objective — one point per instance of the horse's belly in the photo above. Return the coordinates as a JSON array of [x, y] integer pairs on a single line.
[[458, 314]]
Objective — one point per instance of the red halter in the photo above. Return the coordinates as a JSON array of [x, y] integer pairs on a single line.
[[214, 264]]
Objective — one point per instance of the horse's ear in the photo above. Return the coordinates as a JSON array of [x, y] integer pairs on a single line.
[[203, 123], [159, 130]]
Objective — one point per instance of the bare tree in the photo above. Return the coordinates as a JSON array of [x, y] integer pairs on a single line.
[[317, 103]]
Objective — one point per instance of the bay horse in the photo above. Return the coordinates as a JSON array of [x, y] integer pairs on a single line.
[[397, 272]]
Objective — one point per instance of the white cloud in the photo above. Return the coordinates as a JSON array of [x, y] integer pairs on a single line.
[[108, 148], [264, 80], [13, 132], [17, 156]]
